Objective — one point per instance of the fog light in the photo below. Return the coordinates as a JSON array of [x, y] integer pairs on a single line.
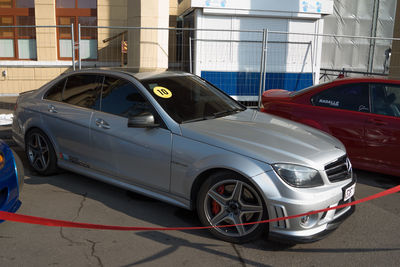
[[305, 219], [308, 221]]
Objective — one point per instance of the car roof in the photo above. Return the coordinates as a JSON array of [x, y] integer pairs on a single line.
[[342, 81], [362, 80], [133, 72]]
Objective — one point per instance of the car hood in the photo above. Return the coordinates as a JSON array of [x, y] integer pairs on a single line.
[[267, 138]]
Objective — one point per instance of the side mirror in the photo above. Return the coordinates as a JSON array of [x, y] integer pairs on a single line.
[[142, 120]]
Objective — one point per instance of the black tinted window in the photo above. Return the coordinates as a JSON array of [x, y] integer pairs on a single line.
[[351, 97], [385, 99], [55, 92], [122, 98], [82, 90]]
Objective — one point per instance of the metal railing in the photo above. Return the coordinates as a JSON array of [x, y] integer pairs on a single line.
[[243, 63]]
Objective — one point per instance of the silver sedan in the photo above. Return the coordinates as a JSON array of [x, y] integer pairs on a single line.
[[175, 137]]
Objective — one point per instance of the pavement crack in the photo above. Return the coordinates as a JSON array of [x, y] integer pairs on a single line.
[[94, 251], [63, 236], [238, 255], [70, 241], [80, 207]]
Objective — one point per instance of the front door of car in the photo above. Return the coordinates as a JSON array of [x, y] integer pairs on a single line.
[[67, 111], [343, 110], [382, 129], [140, 156]]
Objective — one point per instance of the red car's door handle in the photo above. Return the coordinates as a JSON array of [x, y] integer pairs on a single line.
[[377, 122]]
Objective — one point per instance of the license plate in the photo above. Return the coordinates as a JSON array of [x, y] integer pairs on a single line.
[[349, 192]]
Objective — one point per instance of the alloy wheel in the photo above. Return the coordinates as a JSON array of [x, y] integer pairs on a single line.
[[233, 202], [38, 152]]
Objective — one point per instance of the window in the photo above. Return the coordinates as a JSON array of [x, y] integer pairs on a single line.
[[351, 97], [55, 92], [17, 43], [385, 99], [82, 90], [190, 98], [122, 98], [82, 12]]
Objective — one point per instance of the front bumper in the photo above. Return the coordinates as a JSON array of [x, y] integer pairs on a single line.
[[9, 191], [330, 227], [283, 201]]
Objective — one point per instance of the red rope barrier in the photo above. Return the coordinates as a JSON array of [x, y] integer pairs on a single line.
[[60, 223]]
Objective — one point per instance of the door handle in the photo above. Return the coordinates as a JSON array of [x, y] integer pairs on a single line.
[[52, 109], [102, 124], [377, 122]]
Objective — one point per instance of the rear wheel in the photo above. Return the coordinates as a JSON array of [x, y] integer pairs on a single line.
[[40, 152], [226, 198]]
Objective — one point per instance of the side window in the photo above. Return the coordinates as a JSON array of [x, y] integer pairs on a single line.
[[82, 90], [122, 98], [54, 93], [353, 97], [385, 99]]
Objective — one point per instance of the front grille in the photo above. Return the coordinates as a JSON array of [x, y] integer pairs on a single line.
[[339, 170]]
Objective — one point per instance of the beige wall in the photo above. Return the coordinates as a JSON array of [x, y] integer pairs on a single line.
[[148, 49], [46, 38], [183, 6], [20, 80], [173, 7], [110, 13]]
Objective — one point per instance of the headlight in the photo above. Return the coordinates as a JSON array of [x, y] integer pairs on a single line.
[[298, 176], [2, 160]]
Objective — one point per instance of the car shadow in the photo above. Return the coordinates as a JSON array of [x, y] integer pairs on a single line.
[[376, 179], [165, 215]]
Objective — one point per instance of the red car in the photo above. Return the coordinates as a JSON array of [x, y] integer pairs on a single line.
[[363, 113]]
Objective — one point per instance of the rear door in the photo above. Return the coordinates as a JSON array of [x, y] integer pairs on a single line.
[[136, 155], [67, 113], [382, 131]]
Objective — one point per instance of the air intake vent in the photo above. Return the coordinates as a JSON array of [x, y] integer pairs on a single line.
[[279, 213]]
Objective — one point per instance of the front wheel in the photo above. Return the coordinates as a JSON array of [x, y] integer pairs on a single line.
[[226, 198]]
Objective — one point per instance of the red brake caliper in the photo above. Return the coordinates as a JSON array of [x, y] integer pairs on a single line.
[[216, 208]]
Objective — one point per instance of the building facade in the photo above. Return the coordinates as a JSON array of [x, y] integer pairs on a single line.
[[135, 33], [32, 56]]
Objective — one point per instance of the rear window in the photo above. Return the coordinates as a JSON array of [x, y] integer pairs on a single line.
[[350, 97], [55, 92], [82, 90]]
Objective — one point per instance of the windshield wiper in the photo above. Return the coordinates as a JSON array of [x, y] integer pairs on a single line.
[[216, 115], [199, 119], [227, 112]]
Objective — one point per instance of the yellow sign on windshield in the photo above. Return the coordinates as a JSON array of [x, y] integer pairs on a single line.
[[162, 92]]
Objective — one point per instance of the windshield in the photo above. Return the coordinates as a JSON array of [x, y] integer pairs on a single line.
[[189, 98]]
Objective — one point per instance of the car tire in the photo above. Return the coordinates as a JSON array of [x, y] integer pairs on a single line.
[[227, 198], [40, 152], [20, 170]]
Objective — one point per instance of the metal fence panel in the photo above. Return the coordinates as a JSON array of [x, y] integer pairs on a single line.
[[242, 63]]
